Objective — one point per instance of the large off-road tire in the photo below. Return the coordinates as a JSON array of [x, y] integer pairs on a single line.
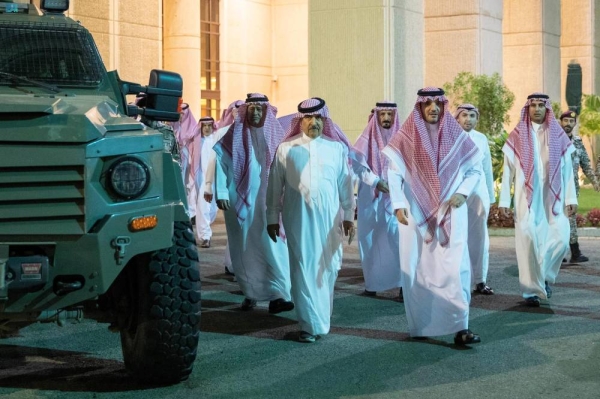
[[159, 332]]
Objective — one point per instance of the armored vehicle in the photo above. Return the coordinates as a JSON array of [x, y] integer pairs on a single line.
[[92, 206]]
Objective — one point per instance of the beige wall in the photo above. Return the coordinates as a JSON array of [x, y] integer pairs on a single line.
[[531, 50], [405, 70], [182, 47], [290, 54], [264, 49], [128, 36], [462, 36], [364, 51], [246, 48]]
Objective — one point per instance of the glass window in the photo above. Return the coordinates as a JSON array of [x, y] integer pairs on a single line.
[[210, 75]]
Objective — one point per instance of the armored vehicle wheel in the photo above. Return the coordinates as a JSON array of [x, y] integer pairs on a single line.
[[159, 330]]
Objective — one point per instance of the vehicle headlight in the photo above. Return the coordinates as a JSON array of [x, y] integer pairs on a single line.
[[129, 177]]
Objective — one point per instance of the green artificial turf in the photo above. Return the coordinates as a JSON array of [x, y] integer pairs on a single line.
[[588, 199]]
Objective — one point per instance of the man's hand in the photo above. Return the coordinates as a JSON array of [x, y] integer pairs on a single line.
[[349, 230], [383, 186], [503, 211], [457, 200], [208, 197], [571, 210], [273, 231], [223, 204], [402, 216]]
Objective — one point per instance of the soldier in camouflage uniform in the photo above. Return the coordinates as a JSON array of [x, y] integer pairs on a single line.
[[581, 159]]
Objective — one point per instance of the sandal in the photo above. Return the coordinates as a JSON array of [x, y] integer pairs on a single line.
[[466, 337]]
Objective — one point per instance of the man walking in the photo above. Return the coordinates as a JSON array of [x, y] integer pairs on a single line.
[[206, 211], [537, 158], [309, 181], [244, 157], [478, 203], [377, 226], [434, 168]]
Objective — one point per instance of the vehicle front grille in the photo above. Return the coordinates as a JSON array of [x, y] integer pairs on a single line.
[[42, 200]]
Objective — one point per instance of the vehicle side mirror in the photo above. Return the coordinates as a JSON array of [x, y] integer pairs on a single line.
[[163, 96]]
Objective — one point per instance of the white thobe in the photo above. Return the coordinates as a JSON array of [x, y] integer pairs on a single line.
[[190, 187], [478, 205], [377, 238], [436, 280], [313, 177], [206, 212], [541, 238], [209, 172], [260, 265], [209, 185]]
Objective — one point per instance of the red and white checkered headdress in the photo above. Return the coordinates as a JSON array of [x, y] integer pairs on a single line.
[[433, 174], [465, 107], [238, 143], [374, 138], [520, 141], [227, 117]]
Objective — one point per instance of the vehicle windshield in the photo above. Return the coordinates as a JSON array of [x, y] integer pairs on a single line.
[[57, 54]]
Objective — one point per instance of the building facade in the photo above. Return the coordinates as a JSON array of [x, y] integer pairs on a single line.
[[350, 52]]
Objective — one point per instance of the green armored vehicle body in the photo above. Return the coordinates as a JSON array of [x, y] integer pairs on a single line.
[[92, 204]]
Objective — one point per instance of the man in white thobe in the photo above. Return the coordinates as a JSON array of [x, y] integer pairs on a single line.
[[244, 157], [377, 226], [206, 211], [478, 203], [309, 181], [227, 119], [537, 158], [434, 168]]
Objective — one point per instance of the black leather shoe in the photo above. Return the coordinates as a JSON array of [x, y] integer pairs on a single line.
[[548, 289], [205, 244], [248, 304], [533, 302], [483, 289], [466, 337], [280, 305], [369, 293]]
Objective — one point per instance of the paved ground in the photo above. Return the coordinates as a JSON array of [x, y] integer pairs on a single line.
[[550, 352]]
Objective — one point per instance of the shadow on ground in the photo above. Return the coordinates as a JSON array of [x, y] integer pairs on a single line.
[[58, 370]]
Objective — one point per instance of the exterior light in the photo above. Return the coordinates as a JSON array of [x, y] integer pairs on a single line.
[[143, 223], [129, 177], [54, 6]]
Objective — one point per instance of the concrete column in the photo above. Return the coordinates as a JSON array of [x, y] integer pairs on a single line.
[[290, 54], [531, 50], [462, 36], [364, 51], [246, 49], [181, 46]]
